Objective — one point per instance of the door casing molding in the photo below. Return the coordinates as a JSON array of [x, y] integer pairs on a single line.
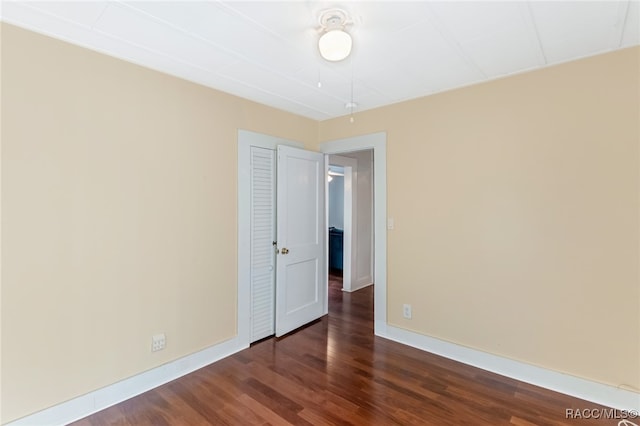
[[377, 142]]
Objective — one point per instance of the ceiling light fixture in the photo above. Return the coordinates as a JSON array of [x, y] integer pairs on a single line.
[[334, 43]]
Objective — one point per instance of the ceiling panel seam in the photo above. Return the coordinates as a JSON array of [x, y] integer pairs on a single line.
[[52, 15], [435, 21], [95, 22], [534, 34], [620, 25], [256, 24]]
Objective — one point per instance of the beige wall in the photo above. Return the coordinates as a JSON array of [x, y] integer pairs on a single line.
[[118, 219], [516, 207]]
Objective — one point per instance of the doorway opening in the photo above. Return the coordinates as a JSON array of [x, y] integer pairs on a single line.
[[336, 194], [350, 219], [374, 143]]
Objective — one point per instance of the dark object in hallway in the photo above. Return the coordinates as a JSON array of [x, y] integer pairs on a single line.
[[336, 244], [336, 372]]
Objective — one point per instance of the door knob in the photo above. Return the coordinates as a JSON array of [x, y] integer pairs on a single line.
[[284, 250]]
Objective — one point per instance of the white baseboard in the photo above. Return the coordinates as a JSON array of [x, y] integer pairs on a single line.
[[599, 393], [100, 399], [358, 287]]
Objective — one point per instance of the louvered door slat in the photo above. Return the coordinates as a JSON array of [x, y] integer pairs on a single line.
[[263, 235]]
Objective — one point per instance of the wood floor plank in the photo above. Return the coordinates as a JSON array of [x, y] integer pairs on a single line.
[[270, 416], [336, 372]]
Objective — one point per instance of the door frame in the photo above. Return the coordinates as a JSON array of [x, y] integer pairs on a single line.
[[375, 141], [246, 140], [378, 143]]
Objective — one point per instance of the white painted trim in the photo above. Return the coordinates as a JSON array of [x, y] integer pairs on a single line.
[[599, 393], [100, 399], [364, 281], [246, 140], [360, 287], [377, 142], [349, 236], [326, 234]]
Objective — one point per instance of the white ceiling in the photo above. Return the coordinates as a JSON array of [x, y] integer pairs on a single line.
[[266, 51]]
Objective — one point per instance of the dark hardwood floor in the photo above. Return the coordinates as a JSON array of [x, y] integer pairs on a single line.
[[336, 372]]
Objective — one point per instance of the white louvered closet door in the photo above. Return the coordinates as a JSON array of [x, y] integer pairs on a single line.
[[263, 234]]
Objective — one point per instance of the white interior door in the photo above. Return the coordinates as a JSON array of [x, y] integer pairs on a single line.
[[301, 284]]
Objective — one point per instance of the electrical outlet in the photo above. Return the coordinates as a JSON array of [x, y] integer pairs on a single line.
[[158, 342], [406, 311]]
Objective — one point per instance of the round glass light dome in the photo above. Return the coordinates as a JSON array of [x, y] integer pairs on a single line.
[[335, 45]]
